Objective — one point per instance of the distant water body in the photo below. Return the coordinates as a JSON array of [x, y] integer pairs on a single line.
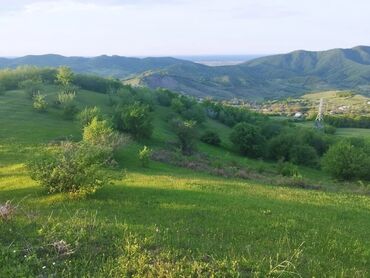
[[219, 60]]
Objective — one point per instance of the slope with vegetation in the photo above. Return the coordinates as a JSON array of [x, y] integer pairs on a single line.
[[198, 195]]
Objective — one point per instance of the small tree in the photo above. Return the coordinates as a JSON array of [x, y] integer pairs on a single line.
[[346, 161], [88, 114], [39, 103], [304, 155], [248, 139], [101, 134], [98, 132], [134, 119], [31, 87], [187, 134], [2, 89], [64, 76], [144, 156], [211, 138], [67, 101]]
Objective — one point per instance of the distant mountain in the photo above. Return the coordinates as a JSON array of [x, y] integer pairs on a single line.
[[291, 74], [115, 66], [275, 76]]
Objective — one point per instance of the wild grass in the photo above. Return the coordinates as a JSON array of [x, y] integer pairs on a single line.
[[165, 221]]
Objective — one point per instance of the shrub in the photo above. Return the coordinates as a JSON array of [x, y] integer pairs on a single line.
[[74, 167], [39, 103], [211, 138], [165, 97], [88, 114], [96, 83], [329, 129], [97, 132], [134, 119], [347, 161], [287, 169], [187, 134], [248, 139], [31, 87], [64, 76], [100, 133], [144, 156], [2, 90], [304, 155], [66, 100]]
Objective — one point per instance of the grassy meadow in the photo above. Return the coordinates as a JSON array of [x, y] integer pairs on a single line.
[[167, 221]]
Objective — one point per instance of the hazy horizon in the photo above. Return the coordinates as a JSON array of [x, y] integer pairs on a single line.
[[180, 27]]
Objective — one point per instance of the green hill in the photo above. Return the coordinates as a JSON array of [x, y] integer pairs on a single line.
[[115, 66], [271, 77], [168, 220]]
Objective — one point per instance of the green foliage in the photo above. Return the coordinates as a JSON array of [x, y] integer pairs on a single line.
[[304, 155], [31, 87], [2, 90], [347, 161], [97, 132], [189, 109], [11, 79], [73, 167], [88, 114], [96, 83], [39, 103], [356, 121], [329, 129], [186, 134], [165, 97], [299, 146], [135, 119], [67, 101], [144, 156], [64, 76], [248, 139], [230, 116], [211, 138], [287, 169]]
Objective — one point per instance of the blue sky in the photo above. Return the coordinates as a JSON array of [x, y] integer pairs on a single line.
[[180, 27]]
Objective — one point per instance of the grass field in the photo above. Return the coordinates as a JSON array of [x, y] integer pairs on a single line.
[[166, 221]]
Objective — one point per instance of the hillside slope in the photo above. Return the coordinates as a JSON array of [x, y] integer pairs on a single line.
[[165, 220], [291, 74]]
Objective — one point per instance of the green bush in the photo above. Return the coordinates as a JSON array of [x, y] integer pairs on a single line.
[[88, 114], [346, 161], [304, 155], [248, 139], [187, 134], [165, 97], [73, 167], [134, 119], [2, 90], [144, 156], [31, 87], [287, 169], [329, 129], [64, 76], [211, 138], [97, 132], [39, 103], [67, 102]]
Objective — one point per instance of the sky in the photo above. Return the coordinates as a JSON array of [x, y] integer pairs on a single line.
[[180, 27]]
